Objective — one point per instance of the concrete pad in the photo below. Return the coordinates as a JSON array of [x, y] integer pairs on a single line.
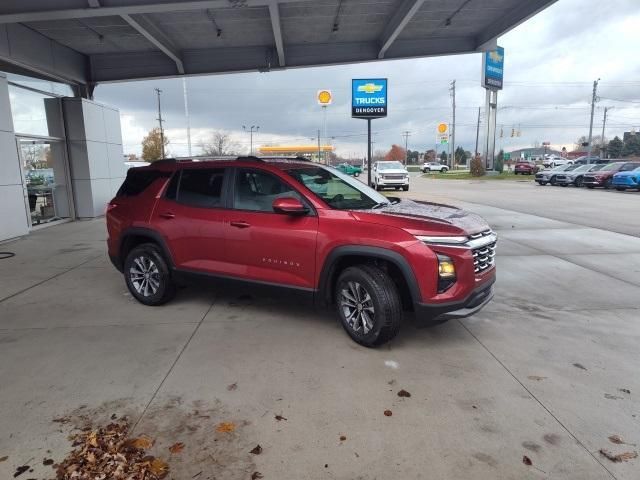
[[624, 266], [47, 373], [96, 294], [465, 418], [511, 248], [544, 283], [575, 241], [580, 366]]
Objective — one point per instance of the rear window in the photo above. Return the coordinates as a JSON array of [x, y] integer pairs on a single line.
[[138, 181]]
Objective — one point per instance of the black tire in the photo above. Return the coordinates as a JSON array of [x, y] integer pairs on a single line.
[[607, 183], [444, 170], [405, 188], [542, 184], [620, 189], [149, 256], [563, 184], [378, 188], [357, 174], [578, 182], [552, 180], [384, 299], [590, 187], [397, 188], [515, 173]]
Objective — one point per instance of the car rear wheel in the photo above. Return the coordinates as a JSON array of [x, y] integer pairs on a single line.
[[148, 276], [578, 182], [357, 174], [552, 181], [607, 183], [368, 305], [444, 170], [620, 189]]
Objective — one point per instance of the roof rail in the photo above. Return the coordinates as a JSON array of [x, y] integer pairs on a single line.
[[250, 158]]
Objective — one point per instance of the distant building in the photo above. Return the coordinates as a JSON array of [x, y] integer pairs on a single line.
[[533, 152], [628, 135]]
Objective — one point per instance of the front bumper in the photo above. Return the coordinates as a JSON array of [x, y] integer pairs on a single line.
[[627, 182], [432, 314], [387, 182], [592, 182]]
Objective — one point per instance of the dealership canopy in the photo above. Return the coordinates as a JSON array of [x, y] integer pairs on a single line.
[[85, 42]]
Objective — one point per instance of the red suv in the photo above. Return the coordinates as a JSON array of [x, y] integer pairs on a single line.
[[307, 227]]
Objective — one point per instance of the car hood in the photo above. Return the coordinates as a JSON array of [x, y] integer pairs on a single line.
[[628, 173], [423, 218]]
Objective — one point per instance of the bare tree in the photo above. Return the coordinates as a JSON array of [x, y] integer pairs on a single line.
[[220, 143]]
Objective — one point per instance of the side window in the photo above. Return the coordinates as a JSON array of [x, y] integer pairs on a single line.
[[138, 180], [172, 188], [201, 187], [256, 190]]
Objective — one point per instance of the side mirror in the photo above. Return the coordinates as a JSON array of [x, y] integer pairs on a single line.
[[289, 206]]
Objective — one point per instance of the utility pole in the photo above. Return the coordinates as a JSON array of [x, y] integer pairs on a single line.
[[477, 132], [453, 128], [158, 92], [603, 149], [319, 161], [594, 99], [250, 130], [406, 134], [186, 113]]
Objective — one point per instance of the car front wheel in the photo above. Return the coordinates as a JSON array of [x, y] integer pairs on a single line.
[[368, 305], [357, 174], [148, 276], [578, 182]]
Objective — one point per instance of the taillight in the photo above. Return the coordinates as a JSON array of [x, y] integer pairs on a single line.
[[111, 205]]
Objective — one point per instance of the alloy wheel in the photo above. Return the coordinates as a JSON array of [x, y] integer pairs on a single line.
[[357, 307], [144, 276]]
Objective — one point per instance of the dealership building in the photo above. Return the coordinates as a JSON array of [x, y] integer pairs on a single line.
[[61, 153]]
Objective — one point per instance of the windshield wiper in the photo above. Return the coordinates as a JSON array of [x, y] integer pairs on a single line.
[[380, 205]]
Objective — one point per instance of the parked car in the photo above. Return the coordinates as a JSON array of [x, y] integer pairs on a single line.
[[552, 161], [592, 159], [627, 179], [576, 175], [305, 227], [390, 175], [349, 169], [604, 176], [434, 167], [525, 167], [550, 175]]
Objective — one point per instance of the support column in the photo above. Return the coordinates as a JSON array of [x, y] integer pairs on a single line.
[[13, 211], [94, 141], [491, 108]]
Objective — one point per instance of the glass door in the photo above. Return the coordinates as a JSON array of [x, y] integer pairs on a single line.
[[44, 176]]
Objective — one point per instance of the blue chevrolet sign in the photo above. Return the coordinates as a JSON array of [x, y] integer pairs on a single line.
[[493, 69], [369, 98]]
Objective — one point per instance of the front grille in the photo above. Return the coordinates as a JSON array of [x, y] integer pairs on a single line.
[[393, 177], [561, 177], [483, 257]]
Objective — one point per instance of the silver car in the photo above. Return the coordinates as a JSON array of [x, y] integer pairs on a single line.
[[575, 176], [549, 176]]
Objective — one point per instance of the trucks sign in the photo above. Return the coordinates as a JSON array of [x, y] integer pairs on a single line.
[[493, 69], [369, 98]]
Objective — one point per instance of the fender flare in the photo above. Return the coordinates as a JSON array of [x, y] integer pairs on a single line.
[[146, 232], [331, 260]]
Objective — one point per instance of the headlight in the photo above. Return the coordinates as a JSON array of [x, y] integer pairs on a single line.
[[443, 240]]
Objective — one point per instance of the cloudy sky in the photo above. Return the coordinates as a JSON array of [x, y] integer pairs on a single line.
[[551, 62]]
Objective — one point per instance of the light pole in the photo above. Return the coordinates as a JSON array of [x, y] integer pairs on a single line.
[[250, 130]]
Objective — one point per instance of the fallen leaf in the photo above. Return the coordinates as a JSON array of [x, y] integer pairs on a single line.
[[20, 470], [616, 439], [256, 475], [625, 390], [279, 417], [404, 394], [176, 447], [537, 378], [621, 457], [342, 438], [3, 459], [142, 443], [612, 397], [526, 460], [388, 413], [391, 382], [61, 420], [158, 467], [226, 427], [580, 366], [232, 387], [114, 416], [257, 450]]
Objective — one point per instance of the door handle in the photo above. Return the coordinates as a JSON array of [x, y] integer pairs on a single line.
[[240, 224], [168, 215]]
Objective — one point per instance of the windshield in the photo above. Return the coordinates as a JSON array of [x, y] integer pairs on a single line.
[[338, 190], [610, 166], [389, 165], [583, 168]]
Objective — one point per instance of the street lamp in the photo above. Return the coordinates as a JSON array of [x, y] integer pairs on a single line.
[[250, 130]]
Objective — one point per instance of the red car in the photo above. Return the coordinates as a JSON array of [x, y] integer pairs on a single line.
[[306, 227], [604, 176], [524, 167]]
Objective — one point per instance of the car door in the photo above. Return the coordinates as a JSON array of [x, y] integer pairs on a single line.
[[192, 218], [266, 246]]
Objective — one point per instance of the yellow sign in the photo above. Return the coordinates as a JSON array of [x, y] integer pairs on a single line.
[[369, 88], [443, 127], [324, 97]]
